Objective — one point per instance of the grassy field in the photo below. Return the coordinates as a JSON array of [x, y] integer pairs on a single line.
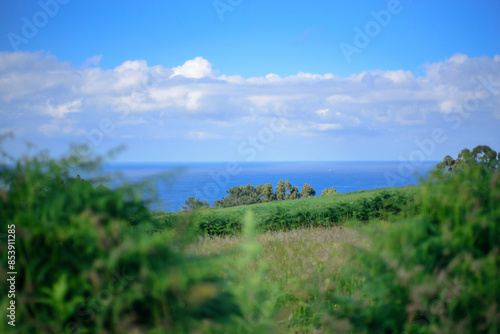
[[316, 203], [297, 268], [299, 251], [321, 211]]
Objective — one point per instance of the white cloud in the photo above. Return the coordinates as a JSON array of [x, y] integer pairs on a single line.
[[271, 77], [177, 96], [446, 106], [399, 76], [458, 59], [202, 135], [322, 112], [38, 88], [196, 68], [60, 127], [264, 100], [93, 61], [328, 126], [61, 110], [339, 98], [301, 76], [232, 78]]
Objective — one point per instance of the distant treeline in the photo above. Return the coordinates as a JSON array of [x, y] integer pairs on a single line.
[[246, 195], [263, 193], [482, 154]]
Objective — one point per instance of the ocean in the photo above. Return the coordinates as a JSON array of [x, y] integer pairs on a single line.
[[175, 182]]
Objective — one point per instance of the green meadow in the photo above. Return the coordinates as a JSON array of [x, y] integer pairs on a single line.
[[321, 211]]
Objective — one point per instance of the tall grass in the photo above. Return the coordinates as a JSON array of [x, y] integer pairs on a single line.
[[300, 265]]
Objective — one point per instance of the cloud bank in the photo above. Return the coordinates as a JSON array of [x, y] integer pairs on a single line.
[[42, 96]]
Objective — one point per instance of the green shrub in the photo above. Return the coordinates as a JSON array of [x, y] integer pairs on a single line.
[[85, 265], [219, 225], [382, 206], [437, 273]]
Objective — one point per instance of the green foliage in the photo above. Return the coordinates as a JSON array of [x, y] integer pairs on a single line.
[[94, 260], [263, 193], [380, 206], [268, 193], [88, 260], [330, 191], [307, 191], [482, 154], [291, 192], [437, 273], [219, 225], [193, 203], [313, 212], [280, 191], [240, 196]]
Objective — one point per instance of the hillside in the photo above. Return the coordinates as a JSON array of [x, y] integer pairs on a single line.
[[387, 203]]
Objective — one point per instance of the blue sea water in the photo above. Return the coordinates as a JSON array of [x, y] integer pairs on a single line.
[[175, 182]]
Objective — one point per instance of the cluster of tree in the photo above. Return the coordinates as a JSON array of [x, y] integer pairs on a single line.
[[480, 154], [330, 191], [263, 193]]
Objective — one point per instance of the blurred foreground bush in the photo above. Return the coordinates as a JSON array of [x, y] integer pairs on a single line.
[[437, 273], [84, 264]]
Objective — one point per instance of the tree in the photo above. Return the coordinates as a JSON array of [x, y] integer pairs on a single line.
[[307, 191], [240, 196], [268, 192], [293, 193], [193, 203], [330, 191], [288, 186], [484, 153], [480, 154], [280, 191], [289, 189], [290, 192], [260, 191], [447, 163]]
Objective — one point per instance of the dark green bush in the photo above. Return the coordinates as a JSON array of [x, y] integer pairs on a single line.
[[380, 206], [84, 264], [439, 272], [164, 220], [219, 225]]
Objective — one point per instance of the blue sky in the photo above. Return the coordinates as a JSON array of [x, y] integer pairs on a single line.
[[251, 80]]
